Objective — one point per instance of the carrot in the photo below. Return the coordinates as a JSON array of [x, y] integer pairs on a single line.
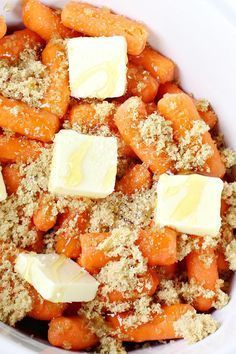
[[181, 111], [151, 107], [168, 87], [38, 245], [160, 67], [136, 179], [68, 239], [57, 97], [209, 117], [44, 310], [167, 271], [13, 45], [71, 333], [222, 263], [127, 118], [44, 217], [141, 83], [124, 150], [14, 149], [161, 327], [97, 22], [12, 178], [29, 121], [224, 207], [203, 274], [3, 27], [44, 20]]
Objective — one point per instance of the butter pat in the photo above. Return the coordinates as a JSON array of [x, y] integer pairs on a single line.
[[83, 165], [56, 278], [97, 66], [189, 203], [3, 193]]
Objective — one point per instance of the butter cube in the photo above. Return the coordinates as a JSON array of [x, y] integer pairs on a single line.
[[97, 66], [83, 165], [56, 277], [189, 203], [3, 192]]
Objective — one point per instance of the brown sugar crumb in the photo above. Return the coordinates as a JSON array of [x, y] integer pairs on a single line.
[[194, 327], [202, 105], [229, 195], [186, 244], [221, 297], [228, 156], [168, 292], [230, 254]]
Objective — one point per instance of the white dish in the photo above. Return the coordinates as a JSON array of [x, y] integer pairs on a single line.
[[200, 36]]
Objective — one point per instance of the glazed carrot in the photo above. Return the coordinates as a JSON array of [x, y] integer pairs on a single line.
[[222, 263], [167, 271], [124, 150], [209, 117], [158, 246], [181, 111], [44, 217], [38, 245], [57, 96], [203, 274], [224, 207], [151, 107], [160, 67], [127, 118], [44, 20], [12, 178], [97, 22], [14, 149], [3, 27], [168, 87], [12, 45], [31, 122], [141, 83], [136, 179], [71, 333], [161, 327]]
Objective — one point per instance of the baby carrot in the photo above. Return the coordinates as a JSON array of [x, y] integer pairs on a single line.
[[34, 123], [127, 118], [181, 111], [209, 117], [97, 22], [168, 87], [160, 67], [44, 217], [167, 271], [12, 178], [151, 107], [222, 263], [3, 27], [57, 97], [71, 333], [44, 20], [136, 179]]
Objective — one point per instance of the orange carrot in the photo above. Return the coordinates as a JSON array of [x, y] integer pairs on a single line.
[[136, 179], [14, 149], [57, 97], [168, 87], [71, 333], [98, 22], [203, 274], [167, 271], [38, 244], [161, 327], [224, 207], [44, 217], [160, 67], [31, 122], [12, 178], [127, 118], [222, 263], [12, 45], [3, 27], [181, 111], [151, 107], [141, 83], [209, 117], [44, 20]]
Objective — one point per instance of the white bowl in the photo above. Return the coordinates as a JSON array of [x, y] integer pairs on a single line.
[[200, 36]]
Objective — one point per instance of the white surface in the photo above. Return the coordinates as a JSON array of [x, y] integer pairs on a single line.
[[200, 36], [3, 192], [187, 203], [97, 66], [56, 277]]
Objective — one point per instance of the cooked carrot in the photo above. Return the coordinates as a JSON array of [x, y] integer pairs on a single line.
[[136, 179], [209, 117], [3, 27], [141, 83], [151, 107], [161, 327], [71, 333], [224, 207], [167, 271], [44, 217], [205, 275], [160, 67], [97, 22], [168, 87], [222, 263], [38, 244], [13, 45], [12, 178], [14, 149], [127, 118], [44, 20], [158, 246], [57, 97], [31, 122], [181, 111]]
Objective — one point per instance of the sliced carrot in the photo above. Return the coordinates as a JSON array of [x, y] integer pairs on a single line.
[[97, 22], [127, 118], [14, 149], [71, 333], [161, 327], [44, 217], [160, 67], [203, 274], [181, 111], [57, 97], [12, 178], [3, 27], [44, 20], [136, 179], [34, 123]]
